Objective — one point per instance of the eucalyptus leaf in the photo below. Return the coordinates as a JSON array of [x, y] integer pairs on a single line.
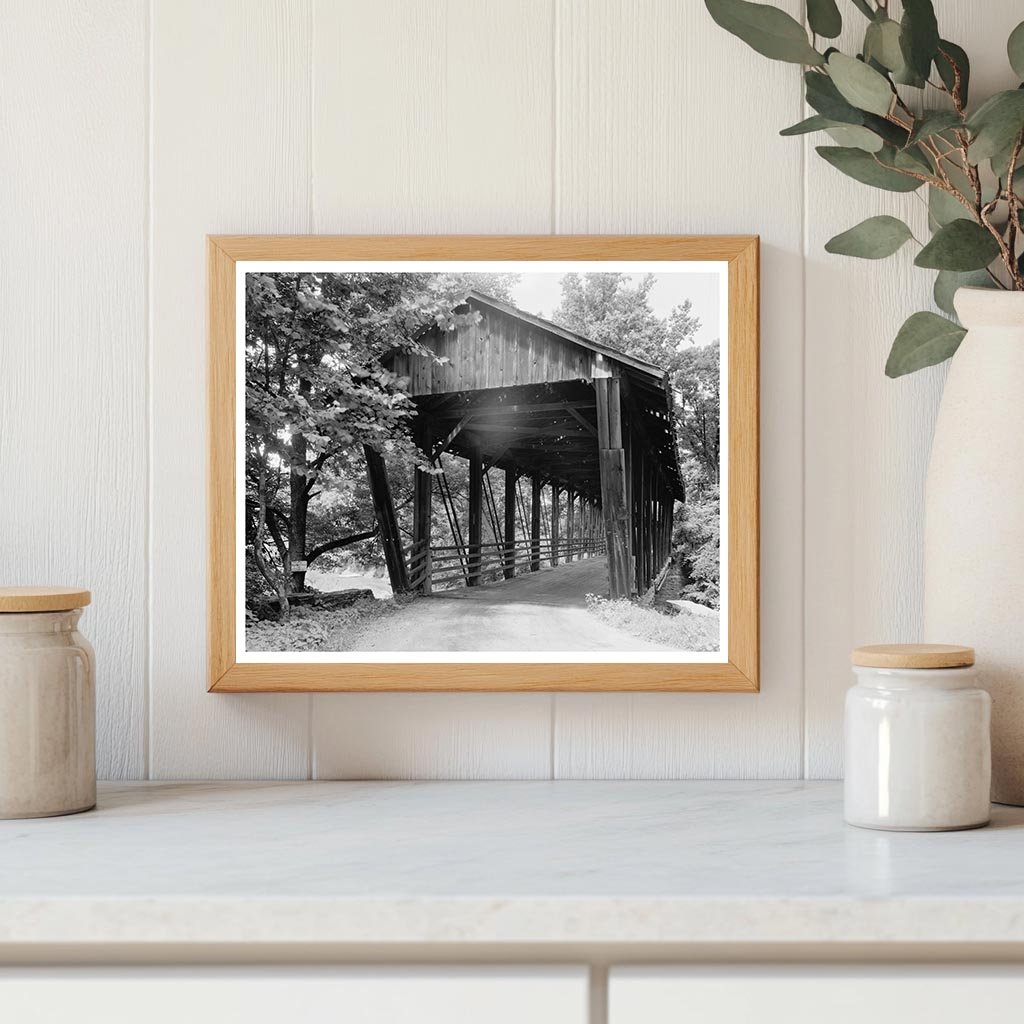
[[825, 98], [960, 245], [892, 133], [817, 123], [914, 159], [853, 136], [1001, 163], [949, 60], [919, 35], [769, 31], [934, 123], [869, 168], [943, 208], [996, 124], [947, 282], [926, 339], [882, 45], [824, 18], [872, 239], [860, 85], [1015, 50]]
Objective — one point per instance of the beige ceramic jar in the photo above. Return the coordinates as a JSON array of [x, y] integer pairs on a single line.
[[47, 704]]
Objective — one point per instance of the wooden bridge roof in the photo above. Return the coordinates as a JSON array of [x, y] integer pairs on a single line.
[[520, 389]]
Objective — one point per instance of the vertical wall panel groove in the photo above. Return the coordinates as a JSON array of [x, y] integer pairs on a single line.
[[433, 118], [230, 155], [73, 333], [670, 125]]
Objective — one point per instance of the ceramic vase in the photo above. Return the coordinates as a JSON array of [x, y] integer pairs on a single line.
[[974, 518]]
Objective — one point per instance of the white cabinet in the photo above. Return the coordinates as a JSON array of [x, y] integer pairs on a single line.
[[814, 995], [254, 995]]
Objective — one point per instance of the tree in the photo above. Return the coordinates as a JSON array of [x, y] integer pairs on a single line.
[[697, 383], [318, 390]]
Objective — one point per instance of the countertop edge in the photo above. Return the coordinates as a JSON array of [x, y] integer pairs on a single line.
[[513, 920]]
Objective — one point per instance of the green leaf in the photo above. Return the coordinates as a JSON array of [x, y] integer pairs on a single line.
[[913, 158], [950, 59], [825, 98], [960, 245], [996, 124], [869, 169], [933, 123], [882, 45], [864, 7], [1015, 50], [824, 18], [924, 340], [872, 239], [817, 123], [860, 85], [919, 35], [947, 282], [892, 133], [943, 208], [766, 29], [843, 134], [856, 137]]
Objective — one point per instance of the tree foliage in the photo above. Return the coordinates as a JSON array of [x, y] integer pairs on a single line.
[[609, 308], [317, 391]]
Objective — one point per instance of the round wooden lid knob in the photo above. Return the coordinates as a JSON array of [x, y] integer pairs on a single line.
[[42, 599]]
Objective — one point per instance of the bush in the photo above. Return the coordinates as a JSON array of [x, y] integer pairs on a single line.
[[699, 550]]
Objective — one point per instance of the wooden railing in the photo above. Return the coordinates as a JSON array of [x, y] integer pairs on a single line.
[[451, 564]]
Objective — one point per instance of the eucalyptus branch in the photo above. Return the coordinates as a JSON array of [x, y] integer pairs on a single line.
[[945, 156]]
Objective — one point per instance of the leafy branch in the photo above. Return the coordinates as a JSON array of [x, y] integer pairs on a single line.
[[969, 162]]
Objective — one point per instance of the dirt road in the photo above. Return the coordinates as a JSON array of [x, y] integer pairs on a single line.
[[542, 611]]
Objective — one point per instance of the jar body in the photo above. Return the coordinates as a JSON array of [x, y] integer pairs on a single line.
[[918, 750], [47, 716]]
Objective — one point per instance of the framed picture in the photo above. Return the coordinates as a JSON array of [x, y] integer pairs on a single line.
[[483, 463]]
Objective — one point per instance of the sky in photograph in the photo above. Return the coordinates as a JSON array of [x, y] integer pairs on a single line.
[[541, 293]]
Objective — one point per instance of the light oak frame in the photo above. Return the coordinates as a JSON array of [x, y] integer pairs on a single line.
[[739, 674]]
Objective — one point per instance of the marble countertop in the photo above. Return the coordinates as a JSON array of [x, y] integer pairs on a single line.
[[505, 863]]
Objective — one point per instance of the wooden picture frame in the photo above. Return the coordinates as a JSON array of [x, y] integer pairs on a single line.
[[738, 670]]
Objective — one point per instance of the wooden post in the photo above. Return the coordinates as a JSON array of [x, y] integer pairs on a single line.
[[535, 525], [570, 538], [384, 507], [422, 498], [509, 534], [554, 524], [613, 485], [476, 508]]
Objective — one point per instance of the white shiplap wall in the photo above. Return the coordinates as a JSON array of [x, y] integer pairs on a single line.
[[131, 130]]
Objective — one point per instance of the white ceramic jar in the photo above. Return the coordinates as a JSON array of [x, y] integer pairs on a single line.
[[47, 704], [918, 749]]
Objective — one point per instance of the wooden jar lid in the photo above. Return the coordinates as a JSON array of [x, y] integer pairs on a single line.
[[913, 656], [42, 599]]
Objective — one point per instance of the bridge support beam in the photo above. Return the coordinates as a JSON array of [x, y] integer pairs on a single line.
[[384, 507], [570, 499], [509, 532], [535, 525], [555, 526], [422, 510], [476, 518], [614, 496]]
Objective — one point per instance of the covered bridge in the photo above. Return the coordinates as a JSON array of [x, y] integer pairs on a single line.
[[540, 403]]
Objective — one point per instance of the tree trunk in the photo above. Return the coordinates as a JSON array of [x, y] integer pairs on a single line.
[[299, 500]]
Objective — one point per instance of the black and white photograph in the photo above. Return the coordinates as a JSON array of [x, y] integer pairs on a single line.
[[481, 461]]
